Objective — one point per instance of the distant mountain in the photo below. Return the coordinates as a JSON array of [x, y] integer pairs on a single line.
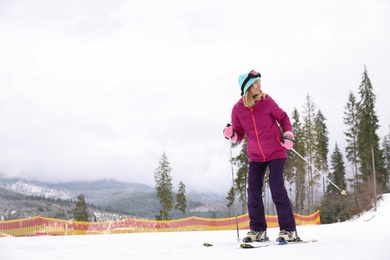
[[107, 199], [101, 190], [33, 188]]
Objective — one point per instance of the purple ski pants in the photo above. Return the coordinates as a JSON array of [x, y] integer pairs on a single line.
[[278, 192]]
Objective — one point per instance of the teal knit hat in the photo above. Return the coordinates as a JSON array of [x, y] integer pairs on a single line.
[[247, 79]]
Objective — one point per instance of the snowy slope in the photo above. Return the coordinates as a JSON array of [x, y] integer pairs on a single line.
[[363, 238]]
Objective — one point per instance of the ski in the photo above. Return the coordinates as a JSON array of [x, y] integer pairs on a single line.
[[263, 244], [248, 245]]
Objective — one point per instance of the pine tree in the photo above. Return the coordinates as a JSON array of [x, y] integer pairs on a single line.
[[386, 156], [181, 200], [322, 145], [386, 149], [241, 161], [334, 207], [337, 175], [80, 213], [295, 170], [368, 140], [164, 188], [309, 137], [230, 200], [351, 121]]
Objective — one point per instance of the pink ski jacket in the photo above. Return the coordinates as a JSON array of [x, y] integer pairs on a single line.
[[261, 124]]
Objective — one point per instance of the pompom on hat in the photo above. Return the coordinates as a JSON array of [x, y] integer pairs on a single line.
[[247, 79]]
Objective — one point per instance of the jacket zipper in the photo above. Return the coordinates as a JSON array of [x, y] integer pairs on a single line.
[[257, 134]]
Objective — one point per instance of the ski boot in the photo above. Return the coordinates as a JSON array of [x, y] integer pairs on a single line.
[[255, 236], [288, 236]]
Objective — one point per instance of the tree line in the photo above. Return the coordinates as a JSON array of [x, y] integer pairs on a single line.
[[316, 182]]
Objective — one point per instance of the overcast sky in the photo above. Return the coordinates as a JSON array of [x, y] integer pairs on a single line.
[[101, 89]]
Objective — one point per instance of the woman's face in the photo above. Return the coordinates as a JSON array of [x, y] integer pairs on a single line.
[[256, 87]]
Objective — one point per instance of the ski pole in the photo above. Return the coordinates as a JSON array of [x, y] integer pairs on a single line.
[[234, 194], [343, 192]]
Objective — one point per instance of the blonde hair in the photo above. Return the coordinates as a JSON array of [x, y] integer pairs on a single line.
[[250, 99]]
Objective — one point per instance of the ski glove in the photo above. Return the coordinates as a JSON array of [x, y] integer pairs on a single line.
[[229, 133], [287, 140]]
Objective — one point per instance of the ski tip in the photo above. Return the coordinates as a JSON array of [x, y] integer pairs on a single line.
[[207, 244], [281, 243], [246, 246]]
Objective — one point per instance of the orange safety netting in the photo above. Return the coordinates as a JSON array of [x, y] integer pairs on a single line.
[[37, 226]]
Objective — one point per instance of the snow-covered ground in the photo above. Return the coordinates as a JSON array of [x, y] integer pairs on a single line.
[[363, 238]]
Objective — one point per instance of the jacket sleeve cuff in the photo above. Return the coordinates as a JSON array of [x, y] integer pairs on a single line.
[[288, 134]]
